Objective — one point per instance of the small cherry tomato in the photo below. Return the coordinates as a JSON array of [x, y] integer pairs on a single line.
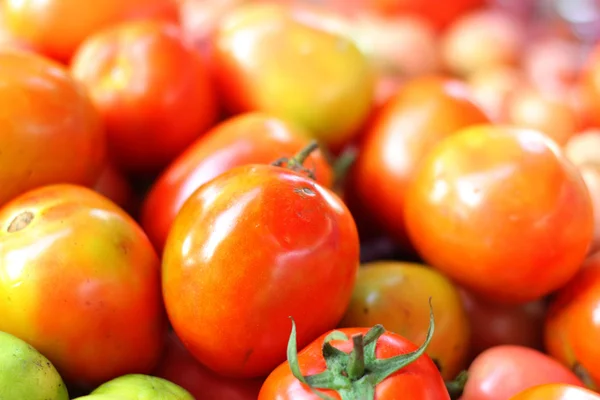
[[267, 60], [556, 391], [395, 294], [177, 365], [423, 112], [572, 322], [152, 89], [80, 282], [491, 187], [504, 371], [57, 27], [248, 249], [382, 369], [51, 132], [249, 138]]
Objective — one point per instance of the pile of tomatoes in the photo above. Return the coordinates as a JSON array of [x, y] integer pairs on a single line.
[[269, 199]]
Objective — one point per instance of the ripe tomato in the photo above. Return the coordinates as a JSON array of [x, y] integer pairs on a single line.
[[253, 246], [152, 89], [265, 59], [572, 321], [395, 295], [590, 87], [504, 371], [244, 139], [497, 324], [57, 27], [418, 379], [458, 213], [424, 111], [113, 185], [51, 132], [80, 282], [556, 391], [177, 365], [440, 13]]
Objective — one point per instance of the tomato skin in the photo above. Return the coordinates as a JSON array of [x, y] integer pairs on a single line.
[[265, 59], [556, 391], [46, 119], [295, 250], [113, 185], [458, 214], [84, 284], [177, 365], [498, 324], [571, 323], [249, 138], [418, 380], [590, 87], [423, 112], [152, 89], [384, 288], [56, 28], [504, 371]]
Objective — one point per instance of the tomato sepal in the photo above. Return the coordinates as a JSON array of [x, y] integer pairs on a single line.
[[457, 386], [354, 375]]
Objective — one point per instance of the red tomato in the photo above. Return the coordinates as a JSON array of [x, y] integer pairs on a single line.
[[490, 187], [504, 371], [82, 283], [556, 391], [590, 83], [422, 113], [265, 59], [250, 138], [57, 27], [440, 13], [572, 321], [51, 132], [419, 379], [152, 89], [497, 324], [248, 249], [492, 87], [180, 367], [114, 185]]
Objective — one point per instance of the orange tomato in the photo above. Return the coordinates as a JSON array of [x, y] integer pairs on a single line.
[[51, 133], [57, 27], [152, 89], [556, 391], [590, 87], [572, 321], [423, 112], [249, 138], [501, 211]]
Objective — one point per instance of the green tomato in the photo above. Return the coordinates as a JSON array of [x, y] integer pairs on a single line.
[[138, 387], [26, 374]]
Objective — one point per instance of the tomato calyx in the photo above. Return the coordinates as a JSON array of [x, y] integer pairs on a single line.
[[296, 163], [457, 386], [584, 375], [354, 375]]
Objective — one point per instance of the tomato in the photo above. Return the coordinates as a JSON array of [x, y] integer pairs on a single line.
[[504, 371], [249, 138], [572, 321], [248, 249], [553, 116], [80, 282], [113, 185], [265, 59], [395, 295], [441, 14], [590, 86], [424, 111], [152, 89], [418, 379], [458, 214], [178, 366], [492, 87], [497, 324], [51, 132], [556, 391], [57, 27], [481, 40]]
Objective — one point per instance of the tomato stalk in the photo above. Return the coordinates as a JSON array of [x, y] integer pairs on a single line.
[[585, 377], [354, 375], [457, 386], [296, 163]]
